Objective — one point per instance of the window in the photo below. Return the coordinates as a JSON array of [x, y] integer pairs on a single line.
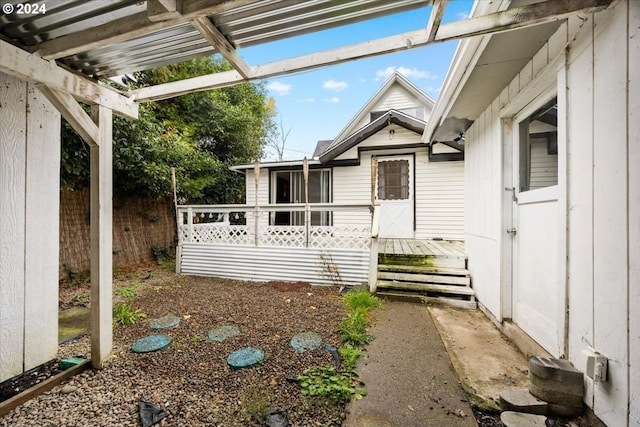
[[393, 180], [289, 188], [539, 148]]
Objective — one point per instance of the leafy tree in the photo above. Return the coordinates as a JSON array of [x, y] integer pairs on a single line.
[[200, 134]]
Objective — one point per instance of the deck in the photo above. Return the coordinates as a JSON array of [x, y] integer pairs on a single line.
[[440, 248]]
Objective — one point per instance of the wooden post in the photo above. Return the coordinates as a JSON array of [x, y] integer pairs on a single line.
[[373, 254], [101, 235], [179, 220], [307, 214], [189, 225], [256, 213]]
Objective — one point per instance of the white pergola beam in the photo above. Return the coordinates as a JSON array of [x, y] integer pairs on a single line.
[[163, 10], [219, 41], [535, 14], [435, 18], [17, 62], [129, 28], [518, 17], [73, 113]]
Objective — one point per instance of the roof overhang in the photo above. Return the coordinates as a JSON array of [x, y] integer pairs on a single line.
[[483, 66], [271, 165], [390, 117]]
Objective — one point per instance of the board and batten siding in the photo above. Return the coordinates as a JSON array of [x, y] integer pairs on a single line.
[[30, 191], [599, 183]]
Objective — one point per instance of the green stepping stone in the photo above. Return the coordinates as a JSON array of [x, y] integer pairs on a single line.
[[247, 357], [151, 343], [305, 341], [165, 322], [223, 333]]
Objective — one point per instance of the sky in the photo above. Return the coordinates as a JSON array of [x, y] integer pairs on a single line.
[[316, 105]]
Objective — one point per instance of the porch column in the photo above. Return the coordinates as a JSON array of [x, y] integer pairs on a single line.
[[101, 238]]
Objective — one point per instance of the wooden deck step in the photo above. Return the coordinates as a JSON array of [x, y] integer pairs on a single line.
[[462, 272], [425, 278], [437, 261], [451, 290]]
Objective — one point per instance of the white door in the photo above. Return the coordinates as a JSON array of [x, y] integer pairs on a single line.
[[395, 193], [535, 281]]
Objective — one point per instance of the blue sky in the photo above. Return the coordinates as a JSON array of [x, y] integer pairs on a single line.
[[316, 105]]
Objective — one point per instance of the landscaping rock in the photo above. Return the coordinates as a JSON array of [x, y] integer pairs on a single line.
[[68, 389], [247, 357], [151, 343], [555, 370], [517, 419], [165, 322], [305, 341], [223, 333]]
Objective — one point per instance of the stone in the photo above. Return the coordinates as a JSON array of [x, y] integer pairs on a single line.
[[165, 322], [305, 341], [520, 400], [68, 389], [151, 343], [222, 333], [557, 386], [555, 369], [517, 419], [70, 362], [247, 357], [552, 396]]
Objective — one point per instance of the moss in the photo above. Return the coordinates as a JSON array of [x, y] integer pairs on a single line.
[[414, 260]]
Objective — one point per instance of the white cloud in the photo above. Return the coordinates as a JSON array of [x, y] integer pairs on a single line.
[[279, 88], [334, 85], [463, 15], [306, 100], [407, 72], [333, 100]]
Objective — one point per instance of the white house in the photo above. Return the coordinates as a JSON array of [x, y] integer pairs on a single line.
[[551, 128], [378, 157]]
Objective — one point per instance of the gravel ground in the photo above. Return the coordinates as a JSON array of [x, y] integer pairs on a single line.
[[190, 379]]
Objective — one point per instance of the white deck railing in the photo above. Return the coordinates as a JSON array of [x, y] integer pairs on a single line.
[[248, 225]]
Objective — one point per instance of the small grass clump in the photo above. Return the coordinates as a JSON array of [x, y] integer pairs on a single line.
[[350, 354], [326, 381], [123, 314], [361, 301], [354, 327], [127, 292]]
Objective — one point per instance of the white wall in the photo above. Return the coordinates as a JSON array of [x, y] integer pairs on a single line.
[[29, 217], [599, 193]]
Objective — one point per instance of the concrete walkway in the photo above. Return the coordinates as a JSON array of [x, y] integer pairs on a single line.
[[408, 375]]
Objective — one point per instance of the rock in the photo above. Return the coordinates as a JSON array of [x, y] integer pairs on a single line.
[[517, 419], [305, 341], [68, 389]]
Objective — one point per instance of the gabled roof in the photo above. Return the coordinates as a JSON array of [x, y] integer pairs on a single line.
[[396, 78], [390, 117]]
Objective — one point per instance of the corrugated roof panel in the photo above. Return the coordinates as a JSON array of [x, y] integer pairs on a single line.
[[258, 22]]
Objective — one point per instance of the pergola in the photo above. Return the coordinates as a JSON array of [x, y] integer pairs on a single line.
[[68, 49]]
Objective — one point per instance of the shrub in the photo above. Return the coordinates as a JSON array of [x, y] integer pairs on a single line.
[[124, 315]]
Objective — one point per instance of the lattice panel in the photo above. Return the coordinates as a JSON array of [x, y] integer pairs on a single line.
[[348, 237], [226, 234], [286, 236]]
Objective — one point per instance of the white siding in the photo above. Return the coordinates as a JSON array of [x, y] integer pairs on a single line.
[[544, 167], [599, 195], [397, 97], [29, 187], [438, 193], [439, 198], [263, 194]]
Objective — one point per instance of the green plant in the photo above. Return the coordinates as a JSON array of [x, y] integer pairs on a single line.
[[361, 301], [196, 339], [350, 355], [353, 329], [325, 381], [127, 292], [123, 314], [168, 266]]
